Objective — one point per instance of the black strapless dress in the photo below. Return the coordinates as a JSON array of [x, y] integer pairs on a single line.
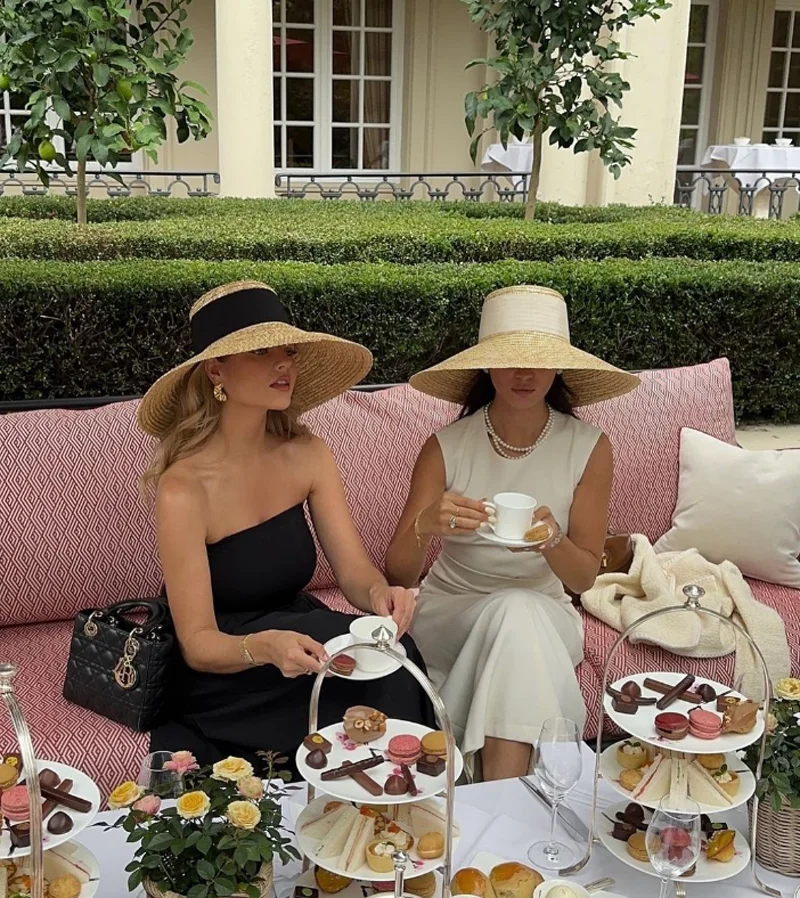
[[257, 578]]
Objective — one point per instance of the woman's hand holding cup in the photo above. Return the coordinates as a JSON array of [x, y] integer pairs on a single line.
[[542, 515], [452, 515]]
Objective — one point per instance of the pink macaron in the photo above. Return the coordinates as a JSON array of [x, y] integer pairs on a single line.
[[704, 724], [14, 805], [404, 750]]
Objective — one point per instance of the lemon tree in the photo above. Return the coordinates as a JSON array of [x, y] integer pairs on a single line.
[[101, 81]]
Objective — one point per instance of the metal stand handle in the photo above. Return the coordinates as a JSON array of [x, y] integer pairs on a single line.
[[693, 595], [383, 643], [7, 673]]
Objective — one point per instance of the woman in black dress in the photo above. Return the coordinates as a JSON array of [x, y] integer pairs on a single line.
[[233, 474]]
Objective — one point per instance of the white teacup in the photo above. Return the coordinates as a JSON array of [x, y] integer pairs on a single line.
[[741, 141], [783, 141], [361, 630], [513, 513]]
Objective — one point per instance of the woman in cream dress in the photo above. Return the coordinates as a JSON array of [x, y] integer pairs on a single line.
[[495, 625]]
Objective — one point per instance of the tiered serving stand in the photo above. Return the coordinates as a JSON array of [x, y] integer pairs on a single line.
[[347, 790], [641, 727], [84, 787]]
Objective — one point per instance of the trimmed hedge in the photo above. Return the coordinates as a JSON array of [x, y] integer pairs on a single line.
[[112, 328]]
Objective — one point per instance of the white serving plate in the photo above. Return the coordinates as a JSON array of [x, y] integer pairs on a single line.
[[641, 724], [72, 852], [610, 770], [84, 787], [357, 888], [417, 866], [707, 871], [349, 790], [345, 641]]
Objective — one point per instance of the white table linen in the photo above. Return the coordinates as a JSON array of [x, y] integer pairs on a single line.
[[517, 157], [769, 161]]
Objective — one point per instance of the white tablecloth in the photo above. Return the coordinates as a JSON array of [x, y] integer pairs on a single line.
[[769, 161], [517, 157], [500, 818]]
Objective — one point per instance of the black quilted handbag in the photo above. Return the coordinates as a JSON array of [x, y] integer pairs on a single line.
[[118, 667]]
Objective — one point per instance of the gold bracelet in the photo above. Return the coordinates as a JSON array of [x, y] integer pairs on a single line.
[[246, 652], [419, 537]]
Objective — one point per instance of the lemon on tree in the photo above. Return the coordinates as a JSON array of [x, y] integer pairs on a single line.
[[5, 82], [125, 89], [47, 152]]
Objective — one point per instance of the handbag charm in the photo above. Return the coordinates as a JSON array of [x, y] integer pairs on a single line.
[[125, 673]]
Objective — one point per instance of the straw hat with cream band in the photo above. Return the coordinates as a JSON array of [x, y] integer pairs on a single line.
[[243, 317], [526, 327]]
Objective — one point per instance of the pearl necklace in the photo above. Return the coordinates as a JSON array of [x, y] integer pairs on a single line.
[[506, 449]]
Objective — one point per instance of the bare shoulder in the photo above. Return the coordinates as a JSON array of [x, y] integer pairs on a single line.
[[181, 494]]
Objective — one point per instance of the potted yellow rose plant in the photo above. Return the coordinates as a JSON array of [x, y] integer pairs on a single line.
[[218, 840], [778, 789]]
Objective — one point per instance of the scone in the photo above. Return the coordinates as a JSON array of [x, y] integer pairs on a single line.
[[711, 762], [430, 846], [630, 779], [513, 880], [470, 881], [631, 755], [422, 886]]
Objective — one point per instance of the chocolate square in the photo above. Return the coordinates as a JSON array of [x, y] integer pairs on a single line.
[[623, 704], [316, 742], [430, 765]]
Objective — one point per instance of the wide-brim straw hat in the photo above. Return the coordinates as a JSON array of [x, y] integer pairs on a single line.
[[526, 327], [245, 316]]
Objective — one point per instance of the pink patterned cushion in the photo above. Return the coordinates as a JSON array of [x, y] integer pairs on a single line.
[[645, 429], [376, 438], [74, 530]]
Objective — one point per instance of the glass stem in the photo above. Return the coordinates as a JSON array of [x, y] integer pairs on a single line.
[[664, 888], [551, 849]]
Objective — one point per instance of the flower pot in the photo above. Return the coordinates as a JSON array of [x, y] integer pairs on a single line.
[[778, 838], [263, 880]]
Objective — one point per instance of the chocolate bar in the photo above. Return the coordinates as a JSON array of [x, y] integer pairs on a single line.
[[73, 802], [351, 767], [657, 686], [638, 700], [51, 804], [675, 692], [366, 782], [412, 786]]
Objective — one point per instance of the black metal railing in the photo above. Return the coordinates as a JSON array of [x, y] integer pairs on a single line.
[[144, 183], [737, 192], [504, 187]]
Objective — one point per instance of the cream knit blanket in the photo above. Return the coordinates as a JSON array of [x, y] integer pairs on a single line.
[[656, 581]]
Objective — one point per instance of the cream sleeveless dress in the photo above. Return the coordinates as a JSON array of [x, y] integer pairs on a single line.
[[498, 633]]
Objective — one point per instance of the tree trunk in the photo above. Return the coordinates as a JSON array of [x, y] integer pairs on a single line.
[[81, 191], [536, 170]]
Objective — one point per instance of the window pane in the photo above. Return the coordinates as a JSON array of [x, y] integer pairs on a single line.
[[16, 102], [695, 57], [376, 102], [299, 147], [276, 99], [769, 136], [776, 64], [690, 114], [344, 147], [277, 66], [772, 111], [346, 52], [347, 12], [780, 28], [277, 139], [299, 50], [791, 117], [379, 14], [376, 148], [794, 68], [378, 53], [276, 11], [687, 146], [796, 32], [345, 101], [300, 12], [300, 99]]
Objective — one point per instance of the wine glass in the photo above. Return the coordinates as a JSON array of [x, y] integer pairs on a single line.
[[558, 765], [672, 841], [155, 779]]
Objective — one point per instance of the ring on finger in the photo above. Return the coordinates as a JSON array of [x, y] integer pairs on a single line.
[[452, 522]]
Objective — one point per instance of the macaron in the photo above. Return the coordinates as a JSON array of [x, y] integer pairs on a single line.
[[704, 724], [672, 725], [637, 848], [14, 804], [343, 665], [435, 744], [404, 750]]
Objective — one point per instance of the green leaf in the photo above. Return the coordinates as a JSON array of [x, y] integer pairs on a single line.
[[198, 891], [205, 869], [204, 845], [160, 842], [68, 61], [101, 74], [135, 879], [61, 109]]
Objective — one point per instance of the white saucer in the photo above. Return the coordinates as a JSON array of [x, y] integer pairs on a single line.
[[343, 642], [488, 533]]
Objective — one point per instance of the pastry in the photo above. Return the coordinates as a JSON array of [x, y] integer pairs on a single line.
[[314, 741], [64, 887], [727, 701], [637, 848], [435, 744], [537, 534], [9, 774], [14, 804], [422, 886], [404, 750], [720, 846], [343, 665], [330, 883], [672, 725], [513, 880], [622, 831], [395, 785], [711, 762], [59, 824], [704, 724], [317, 759], [471, 881], [430, 765], [705, 789], [380, 856], [624, 704], [675, 693], [394, 833], [363, 724], [740, 718], [655, 781], [630, 779], [631, 755], [727, 780], [430, 846]]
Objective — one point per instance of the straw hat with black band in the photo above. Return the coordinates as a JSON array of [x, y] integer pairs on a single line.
[[526, 327], [243, 317]]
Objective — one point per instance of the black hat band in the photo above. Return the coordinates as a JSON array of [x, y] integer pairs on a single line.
[[233, 312]]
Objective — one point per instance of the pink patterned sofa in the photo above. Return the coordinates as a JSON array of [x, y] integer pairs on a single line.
[[74, 533]]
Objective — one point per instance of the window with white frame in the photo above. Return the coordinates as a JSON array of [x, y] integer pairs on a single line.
[[697, 82], [782, 109], [337, 88], [12, 115]]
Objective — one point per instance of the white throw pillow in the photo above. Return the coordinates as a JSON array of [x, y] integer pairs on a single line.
[[738, 505]]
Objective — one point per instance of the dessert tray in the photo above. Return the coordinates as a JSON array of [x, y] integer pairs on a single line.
[[306, 887], [70, 858], [83, 786], [344, 750], [346, 641]]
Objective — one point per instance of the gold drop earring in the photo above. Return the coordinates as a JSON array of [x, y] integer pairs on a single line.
[[219, 393]]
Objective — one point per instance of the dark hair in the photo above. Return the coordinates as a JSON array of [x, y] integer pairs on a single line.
[[482, 392]]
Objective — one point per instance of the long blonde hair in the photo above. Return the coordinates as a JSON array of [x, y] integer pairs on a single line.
[[196, 421]]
